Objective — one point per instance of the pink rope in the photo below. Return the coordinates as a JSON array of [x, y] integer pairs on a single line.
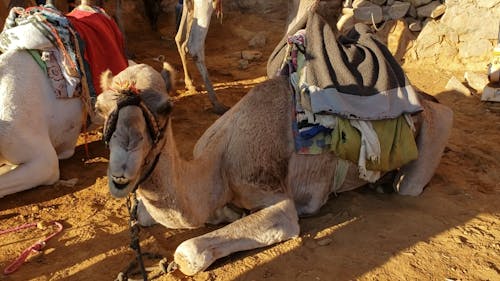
[[35, 248]]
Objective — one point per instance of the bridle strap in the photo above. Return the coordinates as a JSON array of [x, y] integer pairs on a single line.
[[130, 98]]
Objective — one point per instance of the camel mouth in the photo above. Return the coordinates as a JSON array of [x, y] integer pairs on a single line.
[[120, 186]]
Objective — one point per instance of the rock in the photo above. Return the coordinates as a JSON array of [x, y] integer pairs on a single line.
[[324, 242], [390, 2], [487, 4], [251, 55], [455, 85], [368, 14], [427, 10], [243, 64], [398, 38], [430, 35], [476, 81], [378, 2], [258, 41], [418, 3], [438, 11], [398, 10], [481, 47], [361, 3], [412, 12]]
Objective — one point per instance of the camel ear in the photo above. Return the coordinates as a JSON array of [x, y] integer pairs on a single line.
[[106, 80], [165, 107], [168, 74]]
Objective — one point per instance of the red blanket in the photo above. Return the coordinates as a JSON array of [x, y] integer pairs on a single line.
[[104, 45]]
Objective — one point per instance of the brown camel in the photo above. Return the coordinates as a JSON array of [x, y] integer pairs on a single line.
[[245, 170], [243, 160]]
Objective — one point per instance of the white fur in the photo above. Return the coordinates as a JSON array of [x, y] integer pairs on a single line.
[[36, 129]]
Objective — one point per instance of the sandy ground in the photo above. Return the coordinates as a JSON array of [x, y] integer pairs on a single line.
[[450, 232]]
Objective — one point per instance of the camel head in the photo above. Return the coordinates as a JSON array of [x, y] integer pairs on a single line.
[[135, 122]]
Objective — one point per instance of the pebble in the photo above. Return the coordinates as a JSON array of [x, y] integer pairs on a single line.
[[324, 242]]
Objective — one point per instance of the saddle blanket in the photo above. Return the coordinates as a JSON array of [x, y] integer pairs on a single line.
[[352, 99]]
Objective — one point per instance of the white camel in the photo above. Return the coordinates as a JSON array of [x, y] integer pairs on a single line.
[[36, 128], [246, 159], [190, 39]]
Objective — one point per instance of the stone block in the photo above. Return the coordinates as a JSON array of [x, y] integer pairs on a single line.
[[426, 10], [455, 85], [398, 9], [476, 81], [368, 14]]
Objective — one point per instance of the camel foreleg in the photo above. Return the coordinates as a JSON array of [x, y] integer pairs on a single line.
[[219, 108], [268, 226], [433, 136], [41, 169], [181, 39]]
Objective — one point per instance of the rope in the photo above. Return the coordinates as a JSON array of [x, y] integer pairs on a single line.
[[36, 247], [163, 264]]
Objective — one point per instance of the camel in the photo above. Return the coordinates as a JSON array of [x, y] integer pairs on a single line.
[[36, 128], [242, 162], [244, 171]]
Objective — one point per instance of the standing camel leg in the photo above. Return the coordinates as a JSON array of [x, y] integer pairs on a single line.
[[190, 38], [181, 41]]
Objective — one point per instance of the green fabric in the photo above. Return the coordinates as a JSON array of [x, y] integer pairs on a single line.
[[397, 143], [38, 58], [346, 141]]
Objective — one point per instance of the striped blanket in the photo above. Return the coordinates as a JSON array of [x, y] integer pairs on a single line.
[[46, 30], [353, 76]]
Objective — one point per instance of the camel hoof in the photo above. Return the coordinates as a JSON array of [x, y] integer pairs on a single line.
[[190, 259]]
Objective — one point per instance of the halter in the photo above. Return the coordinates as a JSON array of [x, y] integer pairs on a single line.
[[131, 97]]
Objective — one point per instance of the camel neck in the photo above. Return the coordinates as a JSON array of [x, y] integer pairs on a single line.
[[183, 187]]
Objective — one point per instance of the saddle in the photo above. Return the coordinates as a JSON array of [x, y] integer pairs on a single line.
[[350, 95], [73, 49]]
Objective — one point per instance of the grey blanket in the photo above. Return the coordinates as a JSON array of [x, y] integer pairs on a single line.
[[356, 75]]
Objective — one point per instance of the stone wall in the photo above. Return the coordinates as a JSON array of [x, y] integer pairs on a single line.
[[464, 37], [453, 34]]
